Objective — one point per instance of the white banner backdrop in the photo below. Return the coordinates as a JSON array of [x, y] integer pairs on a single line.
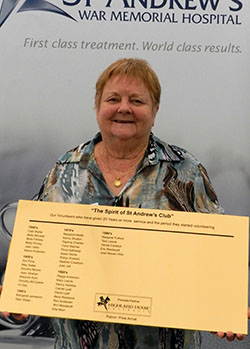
[[53, 51]]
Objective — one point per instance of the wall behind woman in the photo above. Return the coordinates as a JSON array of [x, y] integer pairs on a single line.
[[52, 53]]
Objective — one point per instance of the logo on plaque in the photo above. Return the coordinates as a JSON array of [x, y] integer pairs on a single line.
[[123, 305], [103, 301]]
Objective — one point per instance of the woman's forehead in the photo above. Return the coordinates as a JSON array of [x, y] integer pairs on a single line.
[[129, 82]]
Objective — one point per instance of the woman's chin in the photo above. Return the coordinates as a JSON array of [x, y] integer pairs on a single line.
[[124, 133]]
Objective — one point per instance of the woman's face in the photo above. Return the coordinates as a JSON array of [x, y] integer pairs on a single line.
[[125, 111]]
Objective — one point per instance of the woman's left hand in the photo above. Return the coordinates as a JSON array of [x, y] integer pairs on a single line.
[[230, 336]]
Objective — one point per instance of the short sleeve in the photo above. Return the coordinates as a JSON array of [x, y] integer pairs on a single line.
[[48, 190], [205, 198]]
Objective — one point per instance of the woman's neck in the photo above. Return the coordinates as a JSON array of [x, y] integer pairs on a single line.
[[122, 150], [117, 165]]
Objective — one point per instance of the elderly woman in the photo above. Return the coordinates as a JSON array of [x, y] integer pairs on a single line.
[[126, 165]]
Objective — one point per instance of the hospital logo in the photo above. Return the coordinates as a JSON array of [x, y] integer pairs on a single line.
[[9, 6]]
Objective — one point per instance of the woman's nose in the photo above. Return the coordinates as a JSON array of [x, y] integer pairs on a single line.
[[124, 106]]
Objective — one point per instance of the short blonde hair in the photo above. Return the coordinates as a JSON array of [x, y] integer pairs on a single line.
[[135, 67]]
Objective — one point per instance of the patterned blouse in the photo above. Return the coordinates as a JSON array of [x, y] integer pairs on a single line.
[[168, 178]]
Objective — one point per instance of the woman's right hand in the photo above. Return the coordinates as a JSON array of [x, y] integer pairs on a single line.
[[17, 317]]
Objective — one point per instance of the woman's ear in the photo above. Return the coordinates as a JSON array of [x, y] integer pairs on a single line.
[[155, 111]]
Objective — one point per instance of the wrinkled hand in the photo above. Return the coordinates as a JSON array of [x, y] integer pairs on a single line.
[[230, 336], [18, 317]]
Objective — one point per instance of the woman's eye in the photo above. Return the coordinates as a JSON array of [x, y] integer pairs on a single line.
[[137, 101], [112, 99]]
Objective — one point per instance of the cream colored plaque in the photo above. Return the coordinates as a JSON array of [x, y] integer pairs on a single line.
[[128, 265]]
